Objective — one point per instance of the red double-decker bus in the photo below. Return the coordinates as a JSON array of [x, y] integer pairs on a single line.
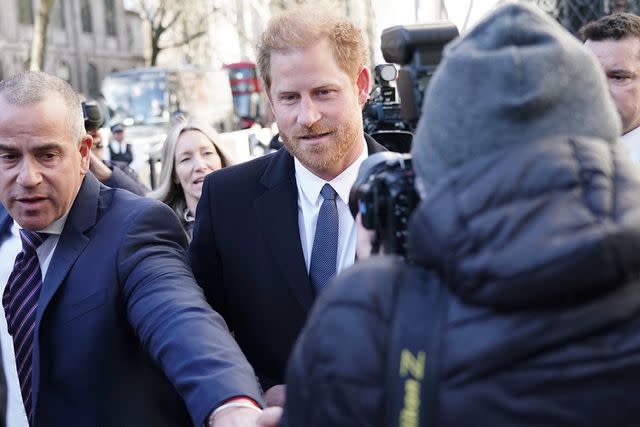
[[247, 97]]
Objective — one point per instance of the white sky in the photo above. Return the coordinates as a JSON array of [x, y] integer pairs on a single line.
[[403, 12], [399, 12], [458, 10]]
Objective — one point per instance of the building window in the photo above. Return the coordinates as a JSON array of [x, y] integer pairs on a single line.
[[85, 13], [1, 72], [110, 17], [57, 14], [92, 80], [25, 12]]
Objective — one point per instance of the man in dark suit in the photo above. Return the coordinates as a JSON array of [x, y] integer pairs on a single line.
[[108, 325], [256, 237]]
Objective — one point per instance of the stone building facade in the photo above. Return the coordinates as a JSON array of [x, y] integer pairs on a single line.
[[86, 40]]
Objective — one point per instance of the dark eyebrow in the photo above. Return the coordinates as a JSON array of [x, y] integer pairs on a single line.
[[4, 147], [48, 147], [184, 153], [326, 86], [619, 71], [43, 148]]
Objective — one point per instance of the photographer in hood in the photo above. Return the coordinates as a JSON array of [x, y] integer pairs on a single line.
[[519, 303]]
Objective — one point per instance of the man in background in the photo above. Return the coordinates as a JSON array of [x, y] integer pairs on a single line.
[[615, 40]]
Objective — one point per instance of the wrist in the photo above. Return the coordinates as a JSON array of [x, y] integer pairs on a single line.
[[234, 403]]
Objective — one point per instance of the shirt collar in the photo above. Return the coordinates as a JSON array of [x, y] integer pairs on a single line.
[[632, 136], [310, 184], [188, 216], [56, 226]]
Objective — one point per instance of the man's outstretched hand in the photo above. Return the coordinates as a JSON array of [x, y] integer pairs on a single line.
[[235, 417], [270, 417]]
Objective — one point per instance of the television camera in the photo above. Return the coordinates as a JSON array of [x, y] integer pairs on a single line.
[[384, 191]]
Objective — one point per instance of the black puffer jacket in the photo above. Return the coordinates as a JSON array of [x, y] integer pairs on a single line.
[[528, 241]]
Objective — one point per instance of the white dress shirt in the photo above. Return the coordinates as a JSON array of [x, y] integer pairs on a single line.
[[9, 249], [310, 201], [631, 140]]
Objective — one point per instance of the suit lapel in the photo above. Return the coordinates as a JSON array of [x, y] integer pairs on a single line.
[[5, 224], [72, 240], [277, 215], [70, 245]]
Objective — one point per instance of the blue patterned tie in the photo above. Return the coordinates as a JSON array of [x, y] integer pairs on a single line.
[[324, 254], [20, 301]]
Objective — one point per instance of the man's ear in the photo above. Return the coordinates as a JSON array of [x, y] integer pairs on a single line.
[[362, 83], [85, 153]]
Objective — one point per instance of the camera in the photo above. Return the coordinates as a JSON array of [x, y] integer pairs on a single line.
[[384, 192], [418, 49], [382, 111], [381, 115], [385, 196]]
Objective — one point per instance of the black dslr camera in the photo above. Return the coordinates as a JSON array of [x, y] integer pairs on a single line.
[[382, 116], [384, 192], [385, 196]]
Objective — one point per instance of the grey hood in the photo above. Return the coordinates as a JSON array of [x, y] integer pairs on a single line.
[[553, 221], [516, 78]]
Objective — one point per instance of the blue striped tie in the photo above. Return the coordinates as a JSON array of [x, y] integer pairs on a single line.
[[20, 301], [324, 254]]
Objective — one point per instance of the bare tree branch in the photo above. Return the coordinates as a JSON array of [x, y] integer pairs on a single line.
[[173, 20], [164, 17], [161, 12], [39, 42], [185, 41]]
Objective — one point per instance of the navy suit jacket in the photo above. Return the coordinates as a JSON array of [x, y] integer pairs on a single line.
[[124, 336], [124, 177], [246, 254]]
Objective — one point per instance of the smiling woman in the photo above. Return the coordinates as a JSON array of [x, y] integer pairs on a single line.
[[190, 153]]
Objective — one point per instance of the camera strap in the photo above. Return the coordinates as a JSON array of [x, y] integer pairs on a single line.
[[419, 320]]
